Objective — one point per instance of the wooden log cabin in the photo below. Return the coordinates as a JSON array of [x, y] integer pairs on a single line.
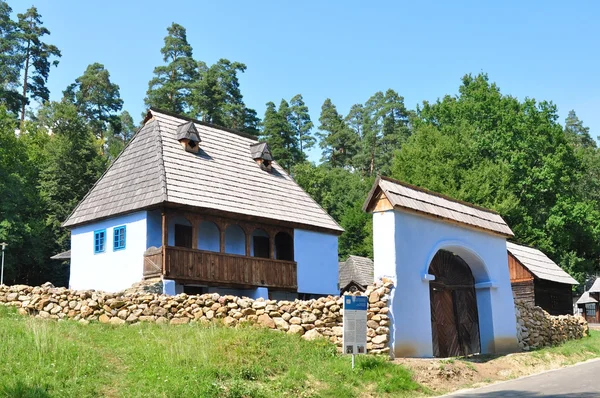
[[205, 209], [538, 280], [588, 305]]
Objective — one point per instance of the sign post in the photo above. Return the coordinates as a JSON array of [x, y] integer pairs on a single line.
[[355, 325], [3, 244]]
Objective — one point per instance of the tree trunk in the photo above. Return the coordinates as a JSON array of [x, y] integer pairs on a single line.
[[25, 83]]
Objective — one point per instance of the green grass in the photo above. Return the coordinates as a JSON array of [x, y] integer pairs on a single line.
[[574, 350], [66, 359]]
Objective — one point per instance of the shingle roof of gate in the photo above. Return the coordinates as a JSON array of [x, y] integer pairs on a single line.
[[154, 168], [403, 195], [539, 264]]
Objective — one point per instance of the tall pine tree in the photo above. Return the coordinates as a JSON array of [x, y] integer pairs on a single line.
[[278, 133], [218, 99], [36, 57], [337, 141], [10, 61], [97, 99], [171, 87], [299, 120]]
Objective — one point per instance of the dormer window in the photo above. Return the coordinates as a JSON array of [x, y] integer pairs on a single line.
[[188, 136], [261, 153]]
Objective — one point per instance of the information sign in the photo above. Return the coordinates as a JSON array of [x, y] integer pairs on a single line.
[[355, 324]]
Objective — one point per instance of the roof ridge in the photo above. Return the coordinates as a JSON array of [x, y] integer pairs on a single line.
[[193, 120], [449, 208], [161, 163], [439, 195], [102, 175]]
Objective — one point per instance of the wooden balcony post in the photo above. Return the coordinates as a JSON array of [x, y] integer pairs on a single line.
[[271, 244], [165, 239], [248, 242], [222, 239], [195, 226]]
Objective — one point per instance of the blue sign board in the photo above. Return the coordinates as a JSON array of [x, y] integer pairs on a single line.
[[357, 303]]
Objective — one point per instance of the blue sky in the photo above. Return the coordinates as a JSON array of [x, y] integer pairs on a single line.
[[342, 50]]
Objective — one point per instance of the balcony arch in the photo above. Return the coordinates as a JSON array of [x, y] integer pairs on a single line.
[[209, 236], [260, 244], [235, 240], [180, 232]]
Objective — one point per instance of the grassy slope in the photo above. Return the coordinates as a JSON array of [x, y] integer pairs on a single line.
[[66, 359]]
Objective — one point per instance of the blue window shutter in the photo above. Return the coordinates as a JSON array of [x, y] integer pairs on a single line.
[[100, 241], [119, 238]]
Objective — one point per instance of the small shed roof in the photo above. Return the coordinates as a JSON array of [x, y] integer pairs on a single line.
[[586, 299], [403, 195], [153, 169], [539, 264], [62, 256], [595, 287], [357, 269]]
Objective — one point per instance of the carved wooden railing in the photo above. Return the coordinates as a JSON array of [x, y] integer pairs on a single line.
[[192, 265]]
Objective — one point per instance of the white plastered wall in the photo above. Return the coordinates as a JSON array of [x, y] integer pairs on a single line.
[[404, 245], [111, 270]]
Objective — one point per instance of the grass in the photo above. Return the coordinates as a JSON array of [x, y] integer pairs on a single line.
[[574, 350], [66, 359]]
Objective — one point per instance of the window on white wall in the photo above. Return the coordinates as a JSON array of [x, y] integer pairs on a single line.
[[119, 238], [100, 241]]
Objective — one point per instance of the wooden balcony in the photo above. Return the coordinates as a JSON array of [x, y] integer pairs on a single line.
[[211, 268]]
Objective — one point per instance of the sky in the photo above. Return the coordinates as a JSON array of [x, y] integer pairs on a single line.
[[343, 50]]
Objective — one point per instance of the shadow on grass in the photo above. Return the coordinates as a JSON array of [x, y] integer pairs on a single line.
[[22, 390]]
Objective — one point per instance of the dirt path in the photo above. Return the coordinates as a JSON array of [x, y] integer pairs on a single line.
[[445, 375]]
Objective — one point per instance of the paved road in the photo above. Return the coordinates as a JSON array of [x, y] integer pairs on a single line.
[[581, 380]]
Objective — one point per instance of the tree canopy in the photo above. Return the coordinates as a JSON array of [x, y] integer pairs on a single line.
[[482, 146]]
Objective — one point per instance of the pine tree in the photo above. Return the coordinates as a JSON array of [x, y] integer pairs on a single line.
[[119, 137], [338, 142], [299, 120], [10, 61], [278, 133], [171, 87], [577, 133], [36, 56], [97, 99], [218, 99]]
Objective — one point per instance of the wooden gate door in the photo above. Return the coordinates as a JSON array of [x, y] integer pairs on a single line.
[[454, 318]]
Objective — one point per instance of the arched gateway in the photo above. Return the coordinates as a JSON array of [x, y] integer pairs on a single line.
[[454, 315], [449, 265]]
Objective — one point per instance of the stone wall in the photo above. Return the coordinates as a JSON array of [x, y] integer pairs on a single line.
[[311, 319], [536, 328]]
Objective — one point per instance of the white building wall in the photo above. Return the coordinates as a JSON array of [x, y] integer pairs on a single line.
[[316, 255], [111, 270], [405, 244]]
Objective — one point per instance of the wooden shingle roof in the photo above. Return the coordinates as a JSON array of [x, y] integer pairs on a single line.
[[539, 264], [155, 169], [595, 287], [357, 269], [420, 200], [586, 299]]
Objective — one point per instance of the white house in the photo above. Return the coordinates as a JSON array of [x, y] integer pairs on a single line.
[[205, 209], [448, 260]]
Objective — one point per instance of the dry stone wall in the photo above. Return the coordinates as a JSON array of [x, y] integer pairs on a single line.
[[536, 328], [311, 319]]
